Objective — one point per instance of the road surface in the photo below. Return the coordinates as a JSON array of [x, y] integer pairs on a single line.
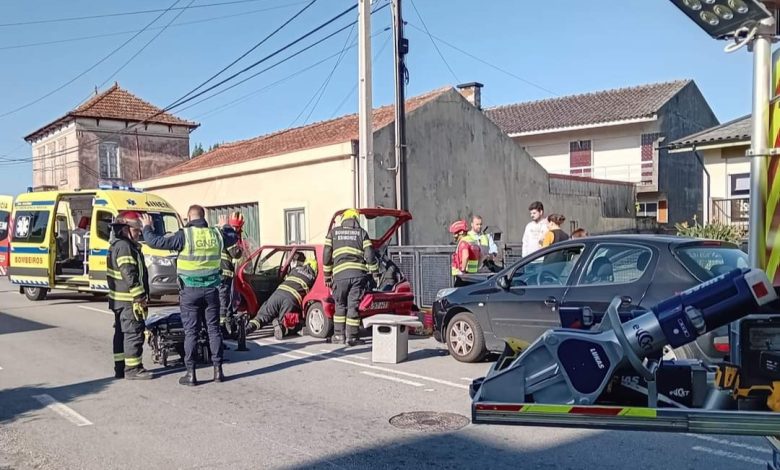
[[298, 404]]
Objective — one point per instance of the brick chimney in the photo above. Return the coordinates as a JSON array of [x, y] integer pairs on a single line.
[[472, 92]]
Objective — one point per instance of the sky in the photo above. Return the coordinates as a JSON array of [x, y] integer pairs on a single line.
[[520, 50]]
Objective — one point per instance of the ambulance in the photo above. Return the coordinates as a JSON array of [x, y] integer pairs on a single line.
[[60, 240], [6, 205]]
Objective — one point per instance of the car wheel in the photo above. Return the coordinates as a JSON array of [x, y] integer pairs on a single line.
[[35, 293], [317, 323], [465, 339]]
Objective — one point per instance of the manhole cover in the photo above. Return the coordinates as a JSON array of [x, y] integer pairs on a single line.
[[429, 421]]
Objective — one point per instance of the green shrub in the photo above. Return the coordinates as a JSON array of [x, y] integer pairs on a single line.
[[712, 231]]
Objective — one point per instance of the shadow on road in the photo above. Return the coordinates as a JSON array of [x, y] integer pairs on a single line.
[[16, 402], [12, 324]]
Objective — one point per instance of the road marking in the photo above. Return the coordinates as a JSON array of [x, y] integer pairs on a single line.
[[99, 310], [467, 379], [333, 351], [394, 379], [367, 366], [730, 455], [49, 402], [741, 445], [430, 389]]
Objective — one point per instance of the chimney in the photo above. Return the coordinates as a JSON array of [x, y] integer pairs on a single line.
[[472, 92]]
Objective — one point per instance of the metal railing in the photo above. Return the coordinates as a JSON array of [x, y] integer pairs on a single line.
[[732, 211], [639, 173]]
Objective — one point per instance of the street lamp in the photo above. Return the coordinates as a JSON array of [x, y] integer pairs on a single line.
[[723, 19], [747, 22]]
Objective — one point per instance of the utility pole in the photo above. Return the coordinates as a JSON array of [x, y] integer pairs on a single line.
[[365, 117], [400, 49]]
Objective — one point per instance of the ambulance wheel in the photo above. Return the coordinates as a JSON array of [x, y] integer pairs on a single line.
[[465, 339], [35, 293], [317, 323]]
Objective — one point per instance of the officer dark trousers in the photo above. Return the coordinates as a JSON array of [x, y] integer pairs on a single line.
[[194, 300], [119, 346], [347, 294], [133, 332]]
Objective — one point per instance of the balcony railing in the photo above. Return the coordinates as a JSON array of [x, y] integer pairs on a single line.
[[732, 211], [639, 173]]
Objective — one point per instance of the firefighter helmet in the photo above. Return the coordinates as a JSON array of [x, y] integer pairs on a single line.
[[349, 214], [459, 226], [128, 218]]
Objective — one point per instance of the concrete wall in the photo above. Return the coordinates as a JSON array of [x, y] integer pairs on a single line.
[[153, 149], [679, 174], [721, 164], [318, 180], [459, 162]]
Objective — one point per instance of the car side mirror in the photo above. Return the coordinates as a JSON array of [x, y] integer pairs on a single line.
[[503, 282]]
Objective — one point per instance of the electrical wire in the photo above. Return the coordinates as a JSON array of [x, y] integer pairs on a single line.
[[354, 87], [175, 25], [435, 46], [127, 13], [95, 65], [478, 59]]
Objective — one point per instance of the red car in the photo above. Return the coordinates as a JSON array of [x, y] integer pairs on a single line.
[[260, 275]]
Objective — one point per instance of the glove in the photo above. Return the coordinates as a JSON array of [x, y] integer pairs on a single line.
[[328, 282], [140, 312]]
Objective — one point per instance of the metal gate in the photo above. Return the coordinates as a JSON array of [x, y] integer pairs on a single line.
[[251, 220]]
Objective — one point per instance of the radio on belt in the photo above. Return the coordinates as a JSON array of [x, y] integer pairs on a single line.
[[569, 366]]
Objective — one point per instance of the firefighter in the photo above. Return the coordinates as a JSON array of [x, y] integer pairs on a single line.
[[230, 258], [128, 287], [288, 297], [200, 249], [465, 260], [349, 261]]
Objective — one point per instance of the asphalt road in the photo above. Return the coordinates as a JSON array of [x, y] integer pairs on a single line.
[[299, 403]]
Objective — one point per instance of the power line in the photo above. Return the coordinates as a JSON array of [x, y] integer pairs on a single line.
[[126, 13], [435, 46], [127, 62], [38, 100], [354, 87], [175, 25], [478, 59], [251, 49]]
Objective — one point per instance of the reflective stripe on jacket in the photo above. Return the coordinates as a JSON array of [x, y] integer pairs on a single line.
[[126, 272]]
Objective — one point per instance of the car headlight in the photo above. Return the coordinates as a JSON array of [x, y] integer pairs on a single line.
[[445, 292]]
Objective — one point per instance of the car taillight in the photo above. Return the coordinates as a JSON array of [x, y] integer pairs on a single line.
[[721, 344]]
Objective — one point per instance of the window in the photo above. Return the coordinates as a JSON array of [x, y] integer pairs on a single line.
[[270, 264], [4, 216], [740, 184], [646, 209], [648, 152], [63, 174], [616, 264], [164, 224], [553, 268], [51, 160], [294, 226], [108, 155], [251, 213], [580, 158], [103, 227], [30, 226], [706, 262]]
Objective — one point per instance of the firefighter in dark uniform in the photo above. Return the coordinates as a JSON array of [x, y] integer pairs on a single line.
[[128, 287], [230, 258], [349, 261], [288, 297], [197, 266]]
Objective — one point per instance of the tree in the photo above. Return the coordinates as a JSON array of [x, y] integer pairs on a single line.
[[214, 147], [197, 151]]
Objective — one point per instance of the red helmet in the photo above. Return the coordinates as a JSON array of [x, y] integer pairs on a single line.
[[459, 226], [129, 218]]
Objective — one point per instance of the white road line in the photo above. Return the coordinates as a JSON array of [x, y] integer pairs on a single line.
[[1, 368], [467, 379], [367, 366], [331, 351], [730, 455], [62, 410], [394, 379], [741, 445], [100, 310]]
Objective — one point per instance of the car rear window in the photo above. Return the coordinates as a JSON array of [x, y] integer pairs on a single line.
[[708, 261]]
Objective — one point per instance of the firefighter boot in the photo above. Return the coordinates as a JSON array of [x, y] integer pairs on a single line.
[[279, 330], [137, 373], [355, 342], [218, 375], [336, 339], [188, 378]]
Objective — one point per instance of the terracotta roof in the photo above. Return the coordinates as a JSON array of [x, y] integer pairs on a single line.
[[318, 134], [117, 103], [738, 130], [587, 109]]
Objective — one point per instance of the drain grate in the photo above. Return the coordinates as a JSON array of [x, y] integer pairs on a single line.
[[429, 421]]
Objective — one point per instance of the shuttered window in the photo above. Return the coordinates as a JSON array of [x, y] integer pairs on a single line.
[[251, 215]]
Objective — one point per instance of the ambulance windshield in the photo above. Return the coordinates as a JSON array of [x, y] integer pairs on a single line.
[[4, 216], [165, 223]]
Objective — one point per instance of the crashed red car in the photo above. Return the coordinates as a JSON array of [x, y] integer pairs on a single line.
[[260, 275]]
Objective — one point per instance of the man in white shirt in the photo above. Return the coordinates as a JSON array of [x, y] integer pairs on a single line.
[[535, 230]]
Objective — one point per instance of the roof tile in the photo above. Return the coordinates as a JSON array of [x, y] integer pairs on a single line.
[[740, 129]]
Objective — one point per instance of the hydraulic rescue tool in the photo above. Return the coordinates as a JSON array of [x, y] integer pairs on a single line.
[[574, 367]]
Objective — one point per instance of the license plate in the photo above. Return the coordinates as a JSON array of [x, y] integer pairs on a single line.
[[379, 305]]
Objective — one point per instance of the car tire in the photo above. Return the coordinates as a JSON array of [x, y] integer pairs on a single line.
[[318, 325], [465, 338], [35, 293]]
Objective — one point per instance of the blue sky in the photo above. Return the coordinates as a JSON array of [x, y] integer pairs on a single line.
[[552, 47]]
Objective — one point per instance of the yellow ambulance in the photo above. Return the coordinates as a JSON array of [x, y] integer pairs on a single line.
[[60, 240], [6, 205]]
